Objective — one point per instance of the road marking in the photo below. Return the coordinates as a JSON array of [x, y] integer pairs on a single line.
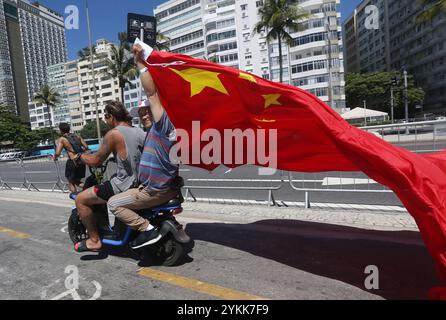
[[15, 234], [198, 286]]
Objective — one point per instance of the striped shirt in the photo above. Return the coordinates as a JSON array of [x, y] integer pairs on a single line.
[[156, 171]]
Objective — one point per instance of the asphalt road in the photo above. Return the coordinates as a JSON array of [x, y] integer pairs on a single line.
[[43, 174], [269, 259]]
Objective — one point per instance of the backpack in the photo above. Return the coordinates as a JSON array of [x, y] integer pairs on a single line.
[[75, 143]]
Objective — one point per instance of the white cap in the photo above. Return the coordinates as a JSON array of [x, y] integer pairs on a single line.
[[134, 111]]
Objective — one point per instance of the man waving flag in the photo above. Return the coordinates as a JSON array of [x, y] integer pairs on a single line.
[[311, 136]]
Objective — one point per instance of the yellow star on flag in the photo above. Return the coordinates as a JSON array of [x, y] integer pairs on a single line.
[[266, 120], [271, 100], [247, 77], [199, 79]]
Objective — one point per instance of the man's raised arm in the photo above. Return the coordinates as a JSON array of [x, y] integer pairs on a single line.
[[148, 84]]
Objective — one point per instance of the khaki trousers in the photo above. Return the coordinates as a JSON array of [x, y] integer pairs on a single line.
[[123, 204]]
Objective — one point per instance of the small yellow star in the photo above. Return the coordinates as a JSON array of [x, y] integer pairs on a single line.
[[266, 120], [247, 77], [271, 100], [200, 79]]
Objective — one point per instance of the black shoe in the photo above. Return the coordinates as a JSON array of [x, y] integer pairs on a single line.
[[145, 239]]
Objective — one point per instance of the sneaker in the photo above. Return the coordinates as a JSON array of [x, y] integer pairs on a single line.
[[145, 239]]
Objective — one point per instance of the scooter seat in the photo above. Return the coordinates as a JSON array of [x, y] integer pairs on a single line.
[[177, 201]]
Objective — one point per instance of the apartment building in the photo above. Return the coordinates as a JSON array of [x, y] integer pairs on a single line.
[[222, 31], [39, 117], [32, 38], [107, 88], [399, 41]]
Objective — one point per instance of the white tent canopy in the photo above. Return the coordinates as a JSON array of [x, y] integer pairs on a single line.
[[361, 113]]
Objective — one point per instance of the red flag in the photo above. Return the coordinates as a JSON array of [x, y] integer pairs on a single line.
[[311, 136]]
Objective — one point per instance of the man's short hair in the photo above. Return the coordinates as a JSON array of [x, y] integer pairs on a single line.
[[64, 127], [118, 111]]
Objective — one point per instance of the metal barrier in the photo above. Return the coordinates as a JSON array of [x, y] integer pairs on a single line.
[[30, 172], [270, 185], [423, 137]]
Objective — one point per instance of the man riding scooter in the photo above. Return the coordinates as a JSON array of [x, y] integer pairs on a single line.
[[158, 176], [125, 142]]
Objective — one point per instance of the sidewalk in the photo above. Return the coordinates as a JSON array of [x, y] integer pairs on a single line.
[[243, 214]]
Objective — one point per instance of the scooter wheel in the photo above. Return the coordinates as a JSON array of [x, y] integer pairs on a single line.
[[76, 229], [168, 252]]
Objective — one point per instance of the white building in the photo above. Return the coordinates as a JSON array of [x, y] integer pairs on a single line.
[[222, 31], [59, 113], [133, 95], [32, 38], [107, 89], [73, 96]]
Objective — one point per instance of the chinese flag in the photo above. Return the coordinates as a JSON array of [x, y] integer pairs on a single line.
[[312, 137]]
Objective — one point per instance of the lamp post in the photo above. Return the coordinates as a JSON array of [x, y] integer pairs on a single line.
[[394, 83], [406, 100], [93, 74], [330, 80]]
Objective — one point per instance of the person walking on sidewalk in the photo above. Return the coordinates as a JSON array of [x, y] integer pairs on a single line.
[[74, 145]]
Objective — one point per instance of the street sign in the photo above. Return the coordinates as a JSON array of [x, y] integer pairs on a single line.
[[136, 23]]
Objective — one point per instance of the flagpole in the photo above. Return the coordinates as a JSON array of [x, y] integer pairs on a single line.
[[98, 126]]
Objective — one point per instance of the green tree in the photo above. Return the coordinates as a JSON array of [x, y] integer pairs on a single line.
[[89, 131], [45, 134], [13, 132], [432, 9], [84, 53], [50, 97], [375, 88], [162, 42], [278, 18], [121, 65]]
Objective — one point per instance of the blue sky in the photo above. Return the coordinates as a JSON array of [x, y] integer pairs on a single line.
[[110, 17]]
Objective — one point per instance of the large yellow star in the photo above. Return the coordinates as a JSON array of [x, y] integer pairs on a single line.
[[271, 100], [200, 79], [247, 77]]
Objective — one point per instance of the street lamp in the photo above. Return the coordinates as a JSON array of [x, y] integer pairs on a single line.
[[406, 100], [394, 83], [93, 74], [330, 83]]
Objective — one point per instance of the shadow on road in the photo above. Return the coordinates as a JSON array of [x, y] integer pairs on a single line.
[[406, 271]]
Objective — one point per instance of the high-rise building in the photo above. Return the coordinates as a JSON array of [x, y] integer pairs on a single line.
[[60, 112], [107, 89], [399, 41], [367, 49], [73, 96], [222, 31], [32, 38]]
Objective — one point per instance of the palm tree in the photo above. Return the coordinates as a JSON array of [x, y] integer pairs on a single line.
[[431, 9], [50, 97], [83, 53], [162, 42], [278, 18], [121, 65]]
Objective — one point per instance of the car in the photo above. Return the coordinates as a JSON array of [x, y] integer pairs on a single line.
[[440, 118]]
